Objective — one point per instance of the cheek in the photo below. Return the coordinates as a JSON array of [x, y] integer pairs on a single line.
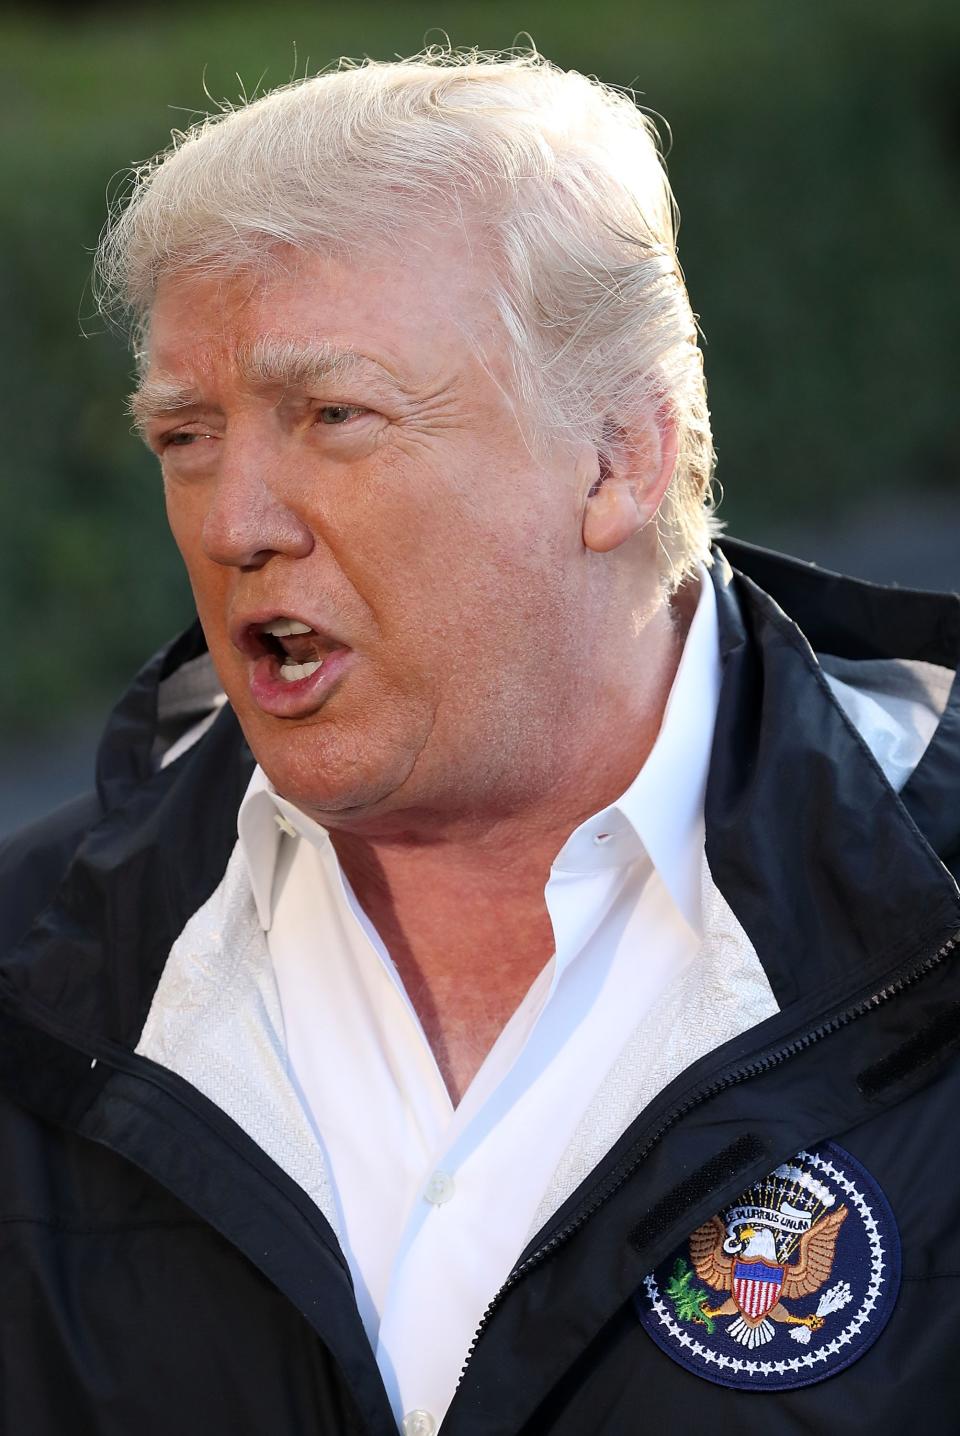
[[185, 519], [464, 581], [395, 539], [207, 580]]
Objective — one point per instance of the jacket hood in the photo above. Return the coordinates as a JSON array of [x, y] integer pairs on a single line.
[[827, 867], [887, 640]]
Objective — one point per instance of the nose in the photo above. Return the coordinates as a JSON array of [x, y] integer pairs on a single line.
[[247, 520]]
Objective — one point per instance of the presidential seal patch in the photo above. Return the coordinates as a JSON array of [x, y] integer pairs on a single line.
[[788, 1285]]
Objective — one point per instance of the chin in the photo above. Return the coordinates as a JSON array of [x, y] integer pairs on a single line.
[[325, 772]]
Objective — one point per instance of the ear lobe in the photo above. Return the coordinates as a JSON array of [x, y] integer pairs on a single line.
[[612, 514], [630, 485]]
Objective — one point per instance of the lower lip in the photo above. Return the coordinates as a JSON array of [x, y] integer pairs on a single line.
[[273, 695]]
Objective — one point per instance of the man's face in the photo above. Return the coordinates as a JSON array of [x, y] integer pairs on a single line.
[[336, 455]]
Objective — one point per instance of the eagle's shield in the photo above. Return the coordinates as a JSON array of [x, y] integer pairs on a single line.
[[756, 1286]]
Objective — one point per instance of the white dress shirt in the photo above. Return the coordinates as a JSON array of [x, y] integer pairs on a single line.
[[436, 1203]]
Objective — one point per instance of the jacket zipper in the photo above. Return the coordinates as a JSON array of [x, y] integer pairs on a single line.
[[633, 1159]]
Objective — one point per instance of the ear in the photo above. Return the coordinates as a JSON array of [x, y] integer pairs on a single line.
[[629, 484]]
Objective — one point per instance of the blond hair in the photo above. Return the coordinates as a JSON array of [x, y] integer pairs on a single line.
[[564, 173]]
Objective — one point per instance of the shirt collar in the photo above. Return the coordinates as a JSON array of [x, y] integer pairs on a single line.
[[264, 820], [660, 815]]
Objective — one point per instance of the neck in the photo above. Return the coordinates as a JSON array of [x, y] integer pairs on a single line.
[[459, 900]]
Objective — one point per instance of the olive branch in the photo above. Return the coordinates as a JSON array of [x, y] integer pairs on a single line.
[[688, 1300]]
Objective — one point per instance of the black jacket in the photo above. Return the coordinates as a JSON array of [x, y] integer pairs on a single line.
[[159, 1274]]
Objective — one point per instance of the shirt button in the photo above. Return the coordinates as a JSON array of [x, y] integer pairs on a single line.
[[601, 838], [285, 825], [438, 1190], [419, 1423]]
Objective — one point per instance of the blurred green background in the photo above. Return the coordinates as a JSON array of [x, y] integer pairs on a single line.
[[815, 157]]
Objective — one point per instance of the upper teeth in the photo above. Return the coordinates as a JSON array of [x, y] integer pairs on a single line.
[[284, 627]]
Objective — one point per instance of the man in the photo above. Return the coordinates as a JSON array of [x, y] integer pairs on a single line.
[[527, 1001]]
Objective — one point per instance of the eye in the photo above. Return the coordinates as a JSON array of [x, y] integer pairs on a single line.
[[339, 413], [178, 439]]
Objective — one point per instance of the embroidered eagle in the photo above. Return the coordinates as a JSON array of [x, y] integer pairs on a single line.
[[758, 1280]]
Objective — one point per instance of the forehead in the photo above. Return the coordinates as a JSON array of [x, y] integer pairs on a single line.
[[412, 315]]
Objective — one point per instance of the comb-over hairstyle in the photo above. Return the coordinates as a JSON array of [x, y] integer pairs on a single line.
[[560, 174]]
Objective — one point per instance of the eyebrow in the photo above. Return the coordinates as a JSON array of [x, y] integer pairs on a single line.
[[286, 364]]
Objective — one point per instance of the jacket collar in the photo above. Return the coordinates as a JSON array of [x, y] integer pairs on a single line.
[[853, 619], [125, 756], [820, 860]]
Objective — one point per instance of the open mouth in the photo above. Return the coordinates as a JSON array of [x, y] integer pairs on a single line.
[[297, 650]]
